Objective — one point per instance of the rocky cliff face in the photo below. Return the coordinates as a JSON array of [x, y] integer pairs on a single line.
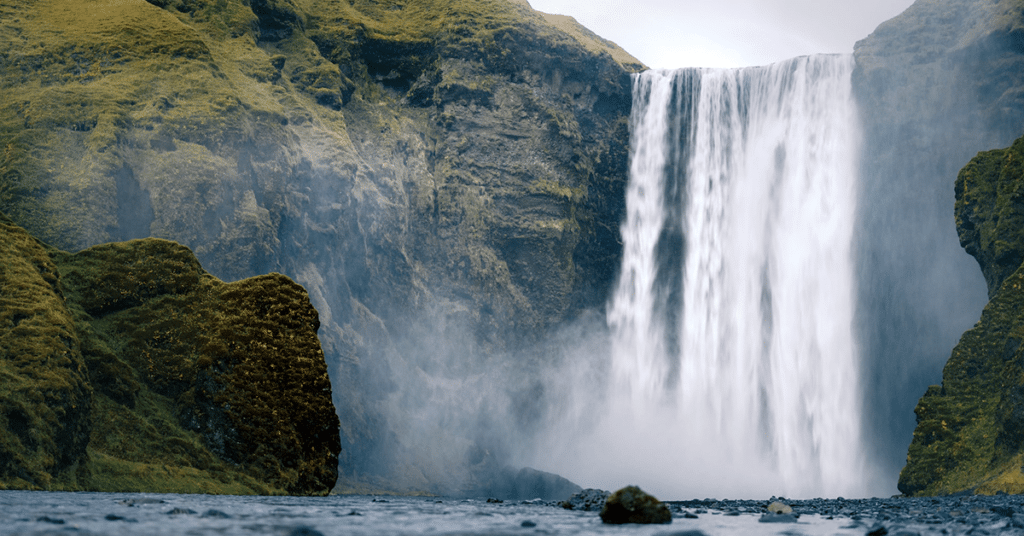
[[969, 429], [935, 85], [129, 368], [445, 178]]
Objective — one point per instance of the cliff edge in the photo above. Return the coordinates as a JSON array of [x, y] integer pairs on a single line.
[[446, 179], [970, 429]]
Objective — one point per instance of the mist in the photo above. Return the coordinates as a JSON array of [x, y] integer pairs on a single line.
[[916, 292]]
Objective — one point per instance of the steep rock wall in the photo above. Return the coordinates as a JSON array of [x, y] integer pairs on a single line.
[[969, 428], [445, 178], [935, 85]]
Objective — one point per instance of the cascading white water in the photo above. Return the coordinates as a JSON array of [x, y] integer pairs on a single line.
[[733, 367]]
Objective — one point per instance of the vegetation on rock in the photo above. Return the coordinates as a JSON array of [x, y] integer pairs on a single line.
[[969, 429], [445, 169], [935, 85], [44, 393], [129, 368]]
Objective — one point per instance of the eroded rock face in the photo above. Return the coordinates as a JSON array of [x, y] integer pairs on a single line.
[[445, 178], [155, 376], [935, 85], [968, 434], [990, 212]]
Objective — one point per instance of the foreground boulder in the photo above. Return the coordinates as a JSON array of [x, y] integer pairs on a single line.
[[632, 505], [156, 376], [970, 429]]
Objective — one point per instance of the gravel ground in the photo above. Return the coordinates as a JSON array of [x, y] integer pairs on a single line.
[[965, 514]]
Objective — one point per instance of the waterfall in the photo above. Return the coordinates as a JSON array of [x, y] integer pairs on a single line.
[[733, 362]]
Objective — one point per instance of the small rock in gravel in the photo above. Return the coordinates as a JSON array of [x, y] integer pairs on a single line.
[[779, 508], [305, 531], [216, 514], [1004, 511], [48, 519], [587, 500], [181, 511], [528, 524], [878, 530], [136, 502]]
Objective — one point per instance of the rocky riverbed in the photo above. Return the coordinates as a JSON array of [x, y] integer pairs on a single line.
[[52, 513]]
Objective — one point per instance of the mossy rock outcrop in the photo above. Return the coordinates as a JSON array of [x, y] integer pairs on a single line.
[[45, 396], [129, 368], [969, 429], [446, 178], [934, 86]]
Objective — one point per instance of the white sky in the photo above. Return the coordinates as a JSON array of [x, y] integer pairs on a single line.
[[727, 33]]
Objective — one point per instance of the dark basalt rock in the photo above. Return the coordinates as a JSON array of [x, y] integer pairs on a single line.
[[632, 505]]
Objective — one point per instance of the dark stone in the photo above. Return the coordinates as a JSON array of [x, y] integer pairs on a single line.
[[632, 505], [777, 518], [878, 530], [588, 500], [181, 511]]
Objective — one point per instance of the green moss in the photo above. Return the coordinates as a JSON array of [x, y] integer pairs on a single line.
[[969, 430], [179, 361], [408, 136], [990, 211], [44, 390], [228, 378]]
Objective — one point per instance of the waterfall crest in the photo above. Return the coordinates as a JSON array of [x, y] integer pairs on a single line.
[[733, 361]]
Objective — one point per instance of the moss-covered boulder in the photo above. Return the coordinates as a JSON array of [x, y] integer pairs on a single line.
[[632, 505], [196, 385], [969, 429]]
